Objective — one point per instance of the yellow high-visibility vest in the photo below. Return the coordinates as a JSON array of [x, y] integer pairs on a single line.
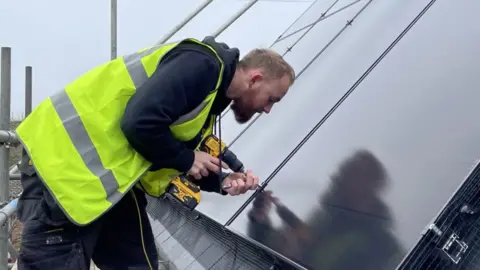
[[78, 148]]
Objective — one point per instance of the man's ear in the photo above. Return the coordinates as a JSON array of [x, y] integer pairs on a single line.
[[257, 76]]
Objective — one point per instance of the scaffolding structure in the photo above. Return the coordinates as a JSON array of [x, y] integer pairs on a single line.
[[8, 139]]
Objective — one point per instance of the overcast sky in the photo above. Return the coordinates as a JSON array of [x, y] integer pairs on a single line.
[[64, 39]]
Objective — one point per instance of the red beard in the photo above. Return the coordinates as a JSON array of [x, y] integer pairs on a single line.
[[242, 115]]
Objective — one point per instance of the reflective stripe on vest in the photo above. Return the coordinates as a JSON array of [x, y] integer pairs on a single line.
[[79, 136], [185, 128]]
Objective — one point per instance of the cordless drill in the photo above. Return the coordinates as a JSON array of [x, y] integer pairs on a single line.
[[182, 187]]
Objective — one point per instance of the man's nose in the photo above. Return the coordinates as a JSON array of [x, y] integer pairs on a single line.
[[267, 108]]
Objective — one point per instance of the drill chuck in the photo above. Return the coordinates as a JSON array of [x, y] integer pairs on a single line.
[[232, 161], [215, 147]]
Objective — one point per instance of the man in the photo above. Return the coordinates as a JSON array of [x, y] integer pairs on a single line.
[[123, 129]]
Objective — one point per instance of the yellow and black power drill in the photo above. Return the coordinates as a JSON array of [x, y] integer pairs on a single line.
[[182, 187]]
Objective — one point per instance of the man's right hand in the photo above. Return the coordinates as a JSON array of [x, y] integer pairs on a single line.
[[204, 163]]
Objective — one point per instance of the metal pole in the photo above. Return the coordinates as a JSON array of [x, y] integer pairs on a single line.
[[113, 29], [184, 22], [28, 98], [5, 84], [28, 90], [234, 18]]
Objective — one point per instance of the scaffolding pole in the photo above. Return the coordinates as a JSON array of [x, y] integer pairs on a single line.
[[234, 18], [5, 84], [184, 22], [28, 100], [28, 90], [113, 29]]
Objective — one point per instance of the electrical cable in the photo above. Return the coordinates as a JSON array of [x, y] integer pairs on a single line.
[[142, 239], [330, 112], [311, 27], [296, 20], [220, 175], [349, 23], [301, 71], [317, 21]]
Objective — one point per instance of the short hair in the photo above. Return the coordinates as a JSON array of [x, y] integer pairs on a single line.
[[271, 62]]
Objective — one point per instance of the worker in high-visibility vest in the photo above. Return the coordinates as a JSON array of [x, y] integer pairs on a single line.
[[123, 129]]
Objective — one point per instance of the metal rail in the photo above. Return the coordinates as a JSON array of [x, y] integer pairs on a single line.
[[179, 26], [7, 211], [8, 137], [234, 17], [5, 91]]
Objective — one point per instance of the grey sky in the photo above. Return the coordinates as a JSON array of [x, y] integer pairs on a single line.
[[63, 39]]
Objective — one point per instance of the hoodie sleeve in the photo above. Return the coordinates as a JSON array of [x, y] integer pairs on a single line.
[[213, 183], [180, 83]]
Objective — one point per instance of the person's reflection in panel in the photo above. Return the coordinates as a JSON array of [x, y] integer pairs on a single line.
[[351, 229]]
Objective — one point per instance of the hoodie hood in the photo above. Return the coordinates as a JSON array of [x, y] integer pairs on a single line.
[[230, 57]]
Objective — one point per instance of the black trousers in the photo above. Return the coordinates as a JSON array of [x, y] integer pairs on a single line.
[[120, 239]]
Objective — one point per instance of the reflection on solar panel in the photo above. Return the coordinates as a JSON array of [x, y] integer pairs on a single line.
[[368, 147]]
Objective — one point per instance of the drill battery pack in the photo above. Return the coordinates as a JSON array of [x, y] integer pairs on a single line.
[[184, 191]]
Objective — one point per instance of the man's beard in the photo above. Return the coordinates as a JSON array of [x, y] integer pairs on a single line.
[[242, 115]]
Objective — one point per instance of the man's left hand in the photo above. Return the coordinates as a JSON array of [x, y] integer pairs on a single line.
[[239, 183]]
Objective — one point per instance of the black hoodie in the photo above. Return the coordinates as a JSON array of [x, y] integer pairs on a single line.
[[184, 77]]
